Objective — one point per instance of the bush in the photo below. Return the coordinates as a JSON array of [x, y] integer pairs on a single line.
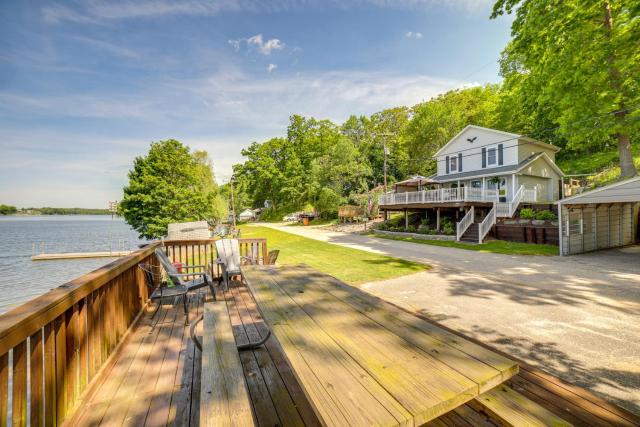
[[527, 213], [546, 215], [411, 229]]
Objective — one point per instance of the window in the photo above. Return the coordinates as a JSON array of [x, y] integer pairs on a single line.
[[453, 163], [476, 184], [574, 224], [492, 156]]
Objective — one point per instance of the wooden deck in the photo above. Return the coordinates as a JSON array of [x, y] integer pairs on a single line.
[[153, 379]]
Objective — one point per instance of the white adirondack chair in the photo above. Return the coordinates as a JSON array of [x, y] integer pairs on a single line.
[[230, 259]]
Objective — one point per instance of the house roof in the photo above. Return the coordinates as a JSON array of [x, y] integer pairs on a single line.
[[621, 191], [500, 170], [508, 135]]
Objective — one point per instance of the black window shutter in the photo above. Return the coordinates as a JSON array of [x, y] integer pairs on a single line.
[[500, 160], [447, 161], [459, 162], [484, 157]]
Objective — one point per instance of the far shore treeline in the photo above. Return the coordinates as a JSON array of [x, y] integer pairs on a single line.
[[12, 210]]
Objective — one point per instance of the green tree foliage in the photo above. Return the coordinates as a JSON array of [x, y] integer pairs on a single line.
[[436, 121], [569, 60], [7, 209], [170, 184]]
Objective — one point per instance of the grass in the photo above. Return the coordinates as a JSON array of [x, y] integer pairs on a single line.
[[603, 165], [316, 221], [492, 246], [352, 266]]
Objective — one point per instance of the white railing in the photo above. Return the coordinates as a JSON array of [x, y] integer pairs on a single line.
[[442, 195], [462, 226], [485, 226], [507, 209]]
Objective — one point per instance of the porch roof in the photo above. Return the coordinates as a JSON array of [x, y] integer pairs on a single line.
[[500, 170]]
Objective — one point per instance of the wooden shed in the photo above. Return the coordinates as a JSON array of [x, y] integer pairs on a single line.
[[603, 218]]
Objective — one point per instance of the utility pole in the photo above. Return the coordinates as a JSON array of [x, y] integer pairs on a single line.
[[233, 207], [384, 145]]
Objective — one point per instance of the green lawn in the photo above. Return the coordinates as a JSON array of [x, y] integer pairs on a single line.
[[493, 246], [349, 265]]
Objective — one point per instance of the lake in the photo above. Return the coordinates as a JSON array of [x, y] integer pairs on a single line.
[[23, 236]]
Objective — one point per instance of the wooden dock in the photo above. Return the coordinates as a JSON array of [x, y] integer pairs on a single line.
[[78, 255]]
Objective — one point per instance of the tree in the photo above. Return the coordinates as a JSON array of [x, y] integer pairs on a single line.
[[7, 209], [170, 184], [573, 60], [438, 120]]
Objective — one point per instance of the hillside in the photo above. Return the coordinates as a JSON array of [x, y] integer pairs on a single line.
[[604, 165]]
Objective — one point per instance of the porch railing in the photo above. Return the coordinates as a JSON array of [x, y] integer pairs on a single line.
[[487, 223], [53, 347], [464, 224], [442, 195], [506, 210]]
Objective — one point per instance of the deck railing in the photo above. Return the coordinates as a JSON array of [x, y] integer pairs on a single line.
[[53, 347], [442, 195], [464, 224], [487, 223]]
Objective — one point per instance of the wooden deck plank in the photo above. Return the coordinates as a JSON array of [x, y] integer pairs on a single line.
[[179, 412], [425, 386], [160, 404], [263, 407], [322, 366], [136, 406], [224, 399], [282, 402], [292, 385], [512, 409], [97, 407]]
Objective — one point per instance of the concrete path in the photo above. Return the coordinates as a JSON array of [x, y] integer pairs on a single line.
[[576, 317]]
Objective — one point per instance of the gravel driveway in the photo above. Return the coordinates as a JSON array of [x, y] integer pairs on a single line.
[[576, 317]]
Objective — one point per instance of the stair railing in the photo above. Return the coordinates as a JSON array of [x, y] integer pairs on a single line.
[[464, 224], [487, 223]]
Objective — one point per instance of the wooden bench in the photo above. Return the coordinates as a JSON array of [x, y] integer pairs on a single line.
[[224, 399]]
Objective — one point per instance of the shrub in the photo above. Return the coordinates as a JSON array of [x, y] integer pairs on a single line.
[[546, 215], [411, 229], [527, 213]]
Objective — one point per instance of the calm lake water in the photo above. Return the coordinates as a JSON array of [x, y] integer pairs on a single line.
[[21, 237]]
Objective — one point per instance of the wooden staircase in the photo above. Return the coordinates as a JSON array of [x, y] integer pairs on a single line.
[[471, 235]]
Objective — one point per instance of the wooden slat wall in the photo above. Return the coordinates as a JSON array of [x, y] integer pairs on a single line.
[[60, 340]]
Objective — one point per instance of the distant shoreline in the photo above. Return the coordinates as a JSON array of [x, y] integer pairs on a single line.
[[56, 211]]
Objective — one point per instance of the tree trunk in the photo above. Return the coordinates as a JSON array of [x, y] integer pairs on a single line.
[[627, 168]]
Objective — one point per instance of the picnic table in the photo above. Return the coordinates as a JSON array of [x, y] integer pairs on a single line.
[[361, 361]]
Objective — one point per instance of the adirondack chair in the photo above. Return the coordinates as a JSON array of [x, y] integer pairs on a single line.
[[229, 259], [159, 291], [199, 280]]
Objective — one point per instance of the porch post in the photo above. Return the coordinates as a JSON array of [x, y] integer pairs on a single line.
[[406, 219], [513, 185], [438, 219], [484, 188]]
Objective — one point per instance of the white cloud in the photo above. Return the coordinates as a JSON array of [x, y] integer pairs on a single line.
[[229, 109], [271, 67], [108, 47], [413, 35], [258, 42], [97, 10]]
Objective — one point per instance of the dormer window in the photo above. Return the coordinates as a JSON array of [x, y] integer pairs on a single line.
[[453, 164]]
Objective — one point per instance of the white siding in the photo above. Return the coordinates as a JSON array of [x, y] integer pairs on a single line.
[[472, 151]]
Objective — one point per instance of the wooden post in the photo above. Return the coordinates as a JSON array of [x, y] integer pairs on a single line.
[[406, 219], [438, 219]]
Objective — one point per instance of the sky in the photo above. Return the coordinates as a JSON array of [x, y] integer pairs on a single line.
[[86, 86]]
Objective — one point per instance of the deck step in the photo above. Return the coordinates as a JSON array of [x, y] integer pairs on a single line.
[[471, 235], [511, 408]]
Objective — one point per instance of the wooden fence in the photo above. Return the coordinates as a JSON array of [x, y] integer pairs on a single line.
[[53, 347]]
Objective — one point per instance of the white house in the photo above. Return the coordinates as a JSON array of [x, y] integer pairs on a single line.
[[484, 172]]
